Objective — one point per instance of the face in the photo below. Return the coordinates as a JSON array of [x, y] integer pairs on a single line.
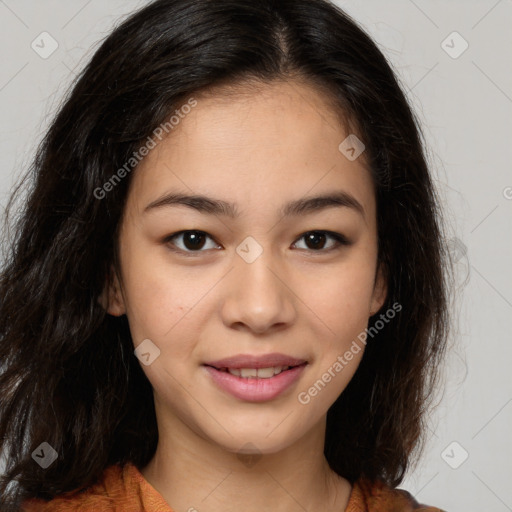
[[254, 277]]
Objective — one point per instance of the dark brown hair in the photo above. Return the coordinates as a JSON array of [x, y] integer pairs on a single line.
[[68, 375]]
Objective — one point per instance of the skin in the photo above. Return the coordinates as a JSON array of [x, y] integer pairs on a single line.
[[260, 149]]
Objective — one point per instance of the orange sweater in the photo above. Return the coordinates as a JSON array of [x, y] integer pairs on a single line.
[[126, 490]]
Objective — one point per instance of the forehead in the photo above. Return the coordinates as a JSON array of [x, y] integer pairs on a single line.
[[256, 146]]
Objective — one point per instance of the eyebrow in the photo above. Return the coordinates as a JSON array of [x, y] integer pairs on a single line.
[[303, 206]]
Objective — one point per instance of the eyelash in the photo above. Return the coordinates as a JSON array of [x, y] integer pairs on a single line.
[[338, 237]]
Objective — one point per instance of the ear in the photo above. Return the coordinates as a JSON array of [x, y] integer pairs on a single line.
[[380, 290], [111, 297]]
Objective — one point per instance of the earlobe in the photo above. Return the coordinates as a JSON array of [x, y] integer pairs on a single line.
[[111, 297], [380, 290]]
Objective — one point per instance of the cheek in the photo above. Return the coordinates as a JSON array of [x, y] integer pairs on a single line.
[[342, 303], [343, 309], [343, 298], [157, 300]]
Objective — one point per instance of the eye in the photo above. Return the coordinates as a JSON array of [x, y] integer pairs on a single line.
[[193, 240], [316, 239]]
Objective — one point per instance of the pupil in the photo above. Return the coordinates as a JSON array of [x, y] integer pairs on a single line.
[[193, 240], [316, 238]]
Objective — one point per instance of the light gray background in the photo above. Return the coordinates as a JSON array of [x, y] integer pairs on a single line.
[[465, 105]]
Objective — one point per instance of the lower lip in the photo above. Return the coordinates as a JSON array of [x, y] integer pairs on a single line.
[[253, 389]]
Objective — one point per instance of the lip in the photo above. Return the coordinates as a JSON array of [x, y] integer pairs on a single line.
[[255, 389], [256, 361]]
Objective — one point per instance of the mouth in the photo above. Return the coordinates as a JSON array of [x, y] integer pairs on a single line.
[[255, 379], [257, 373], [256, 362]]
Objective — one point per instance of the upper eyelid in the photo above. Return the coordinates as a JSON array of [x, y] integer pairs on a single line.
[[329, 233]]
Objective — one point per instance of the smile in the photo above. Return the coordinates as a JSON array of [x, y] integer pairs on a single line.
[[260, 373], [255, 384]]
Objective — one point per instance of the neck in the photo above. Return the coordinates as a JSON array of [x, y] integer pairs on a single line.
[[191, 472]]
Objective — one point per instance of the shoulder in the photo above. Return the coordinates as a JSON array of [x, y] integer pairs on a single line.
[[118, 489], [376, 496]]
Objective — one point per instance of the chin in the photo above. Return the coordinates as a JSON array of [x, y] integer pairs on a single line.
[[258, 440]]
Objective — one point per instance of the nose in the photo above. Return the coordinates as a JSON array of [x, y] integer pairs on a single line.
[[258, 297]]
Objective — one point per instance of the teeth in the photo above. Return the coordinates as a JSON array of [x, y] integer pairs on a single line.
[[248, 372], [265, 373], [260, 373]]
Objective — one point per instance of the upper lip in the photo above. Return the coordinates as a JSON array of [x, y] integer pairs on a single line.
[[256, 361]]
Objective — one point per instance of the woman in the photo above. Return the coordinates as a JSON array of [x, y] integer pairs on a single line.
[[227, 286]]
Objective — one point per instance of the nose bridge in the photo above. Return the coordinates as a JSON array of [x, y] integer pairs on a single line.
[[255, 295]]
